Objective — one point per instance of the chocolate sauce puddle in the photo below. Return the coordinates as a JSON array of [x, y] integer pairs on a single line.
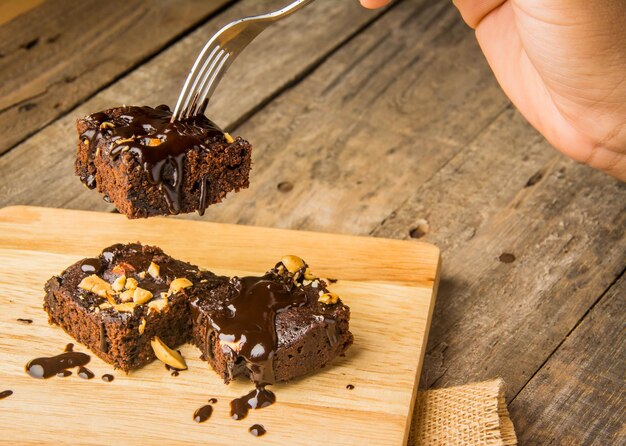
[[257, 430], [5, 394], [159, 145], [64, 373], [213, 400], [203, 414], [256, 399], [174, 371], [47, 367], [85, 373], [107, 378]]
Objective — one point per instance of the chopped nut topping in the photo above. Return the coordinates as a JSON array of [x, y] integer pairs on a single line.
[[142, 275], [107, 125], [105, 305], [127, 307], [154, 270], [178, 284], [167, 355], [141, 296], [142, 326], [292, 263], [328, 298], [158, 305], [153, 142], [98, 286], [119, 283], [122, 268], [131, 284], [127, 296], [229, 139], [119, 141], [308, 275]]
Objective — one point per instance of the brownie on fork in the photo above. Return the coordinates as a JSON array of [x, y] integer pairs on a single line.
[[146, 165]]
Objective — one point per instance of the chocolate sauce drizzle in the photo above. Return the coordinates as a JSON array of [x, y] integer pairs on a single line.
[[159, 145], [5, 394], [203, 414], [256, 399], [91, 266], [64, 373], [257, 430], [25, 321], [47, 367], [247, 327]]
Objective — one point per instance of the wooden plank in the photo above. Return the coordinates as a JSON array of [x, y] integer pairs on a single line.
[[9, 9], [578, 396], [399, 286], [61, 52], [529, 241], [322, 135], [48, 156]]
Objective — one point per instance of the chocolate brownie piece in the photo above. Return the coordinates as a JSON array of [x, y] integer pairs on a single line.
[[117, 302], [146, 165], [270, 328]]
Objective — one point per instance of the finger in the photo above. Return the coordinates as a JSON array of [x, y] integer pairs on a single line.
[[473, 11], [374, 4]]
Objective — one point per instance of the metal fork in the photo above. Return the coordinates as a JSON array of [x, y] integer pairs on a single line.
[[217, 56]]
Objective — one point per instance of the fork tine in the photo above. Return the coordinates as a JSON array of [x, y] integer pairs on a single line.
[[186, 93], [192, 91], [205, 88]]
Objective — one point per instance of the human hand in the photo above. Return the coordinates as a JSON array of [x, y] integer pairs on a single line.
[[563, 64]]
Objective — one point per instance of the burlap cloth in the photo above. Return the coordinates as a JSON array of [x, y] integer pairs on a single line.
[[474, 414]]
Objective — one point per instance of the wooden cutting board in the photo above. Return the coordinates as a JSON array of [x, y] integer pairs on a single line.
[[390, 286]]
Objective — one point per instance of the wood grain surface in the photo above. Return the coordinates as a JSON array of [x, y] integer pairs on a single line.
[[390, 123], [389, 285], [60, 52]]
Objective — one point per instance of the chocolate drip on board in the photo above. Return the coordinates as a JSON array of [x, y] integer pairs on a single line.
[[257, 430], [256, 399], [202, 414], [47, 367], [5, 394]]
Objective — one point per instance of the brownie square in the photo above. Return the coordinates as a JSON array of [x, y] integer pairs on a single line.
[[146, 165], [270, 328], [117, 302]]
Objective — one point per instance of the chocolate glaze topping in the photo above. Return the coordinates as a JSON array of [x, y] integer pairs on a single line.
[[256, 399], [248, 324], [5, 394], [159, 145], [257, 430], [203, 414], [48, 367], [91, 266]]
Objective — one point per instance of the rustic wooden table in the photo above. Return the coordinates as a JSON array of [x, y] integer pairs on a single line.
[[386, 123]]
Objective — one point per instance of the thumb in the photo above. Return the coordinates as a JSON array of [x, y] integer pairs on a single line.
[[374, 4]]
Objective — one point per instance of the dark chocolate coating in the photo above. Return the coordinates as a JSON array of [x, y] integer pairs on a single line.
[[147, 165]]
